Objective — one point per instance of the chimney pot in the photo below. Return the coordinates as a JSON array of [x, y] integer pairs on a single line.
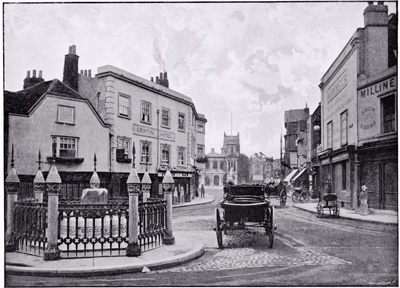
[[90, 73], [73, 49], [165, 75], [380, 2], [151, 79], [28, 74], [82, 72], [34, 74], [85, 72], [160, 75], [40, 73]]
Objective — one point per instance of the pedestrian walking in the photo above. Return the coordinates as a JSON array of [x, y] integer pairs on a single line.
[[202, 191]]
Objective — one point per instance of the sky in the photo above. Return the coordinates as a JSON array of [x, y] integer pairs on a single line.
[[243, 64]]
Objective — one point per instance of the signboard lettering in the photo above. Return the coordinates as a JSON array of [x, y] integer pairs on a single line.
[[379, 88], [338, 86], [151, 132]]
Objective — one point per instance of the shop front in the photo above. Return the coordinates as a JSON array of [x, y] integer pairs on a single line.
[[184, 190], [338, 175]]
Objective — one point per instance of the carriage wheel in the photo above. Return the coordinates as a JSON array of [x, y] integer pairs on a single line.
[[320, 210], [305, 197], [283, 197], [270, 229], [296, 197], [336, 210], [218, 228]]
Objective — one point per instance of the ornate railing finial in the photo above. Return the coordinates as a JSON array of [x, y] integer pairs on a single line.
[[133, 155], [39, 157], [12, 155], [95, 162]]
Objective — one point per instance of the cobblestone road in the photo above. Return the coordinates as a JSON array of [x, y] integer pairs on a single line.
[[248, 249]]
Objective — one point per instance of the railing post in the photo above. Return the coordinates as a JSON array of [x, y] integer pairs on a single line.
[[39, 186], [12, 187], [146, 186], [53, 186], [133, 184], [168, 187]]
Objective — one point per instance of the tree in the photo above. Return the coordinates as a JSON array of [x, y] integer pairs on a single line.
[[243, 169]]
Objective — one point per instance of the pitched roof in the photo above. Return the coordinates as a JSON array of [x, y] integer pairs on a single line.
[[21, 102]]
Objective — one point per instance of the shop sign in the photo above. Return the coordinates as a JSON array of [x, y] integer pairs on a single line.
[[325, 162], [151, 132], [379, 88], [338, 86], [341, 157]]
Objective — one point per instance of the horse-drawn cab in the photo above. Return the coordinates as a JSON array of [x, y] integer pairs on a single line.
[[244, 204]]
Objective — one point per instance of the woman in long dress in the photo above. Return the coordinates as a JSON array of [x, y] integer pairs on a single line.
[[364, 201]]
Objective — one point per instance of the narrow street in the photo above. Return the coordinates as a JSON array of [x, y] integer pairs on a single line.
[[307, 251]]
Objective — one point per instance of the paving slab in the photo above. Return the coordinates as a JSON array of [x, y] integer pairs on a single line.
[[184, 250]]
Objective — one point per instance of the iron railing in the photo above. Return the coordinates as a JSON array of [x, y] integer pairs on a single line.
[[30, 223], [153, 219], [89, 230]]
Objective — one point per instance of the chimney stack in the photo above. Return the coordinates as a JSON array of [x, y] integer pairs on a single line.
[[30, 81], [376, 30], [151, 79], [157, 80], [71, 74], [163, 80], [376, 15]]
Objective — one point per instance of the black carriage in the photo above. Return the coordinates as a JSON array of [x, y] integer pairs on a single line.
[[328, 204], [277, 191], [245, 205]]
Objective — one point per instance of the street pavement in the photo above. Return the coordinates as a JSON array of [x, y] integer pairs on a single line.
[[189, 246], [374, 216]]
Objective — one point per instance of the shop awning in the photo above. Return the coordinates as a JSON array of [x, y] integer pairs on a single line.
[[299, 174], [290, 176]]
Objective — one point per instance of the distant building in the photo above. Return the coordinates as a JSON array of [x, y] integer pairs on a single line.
[[295, 146], [220, 167], [261, 169], [359, 115]]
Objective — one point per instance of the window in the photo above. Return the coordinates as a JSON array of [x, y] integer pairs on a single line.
[[329, 135], [344, 176], [66, 114], [165, 118], [165, 154], [124, 105], [123, 149], [65, 147], [221, 165], [145, 152], [207, 165], [343, 128], [215, 164], [181, 121], [200, 128], [389, 114], [181, 156], [231, 149], [200, 151], [146, 112]]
